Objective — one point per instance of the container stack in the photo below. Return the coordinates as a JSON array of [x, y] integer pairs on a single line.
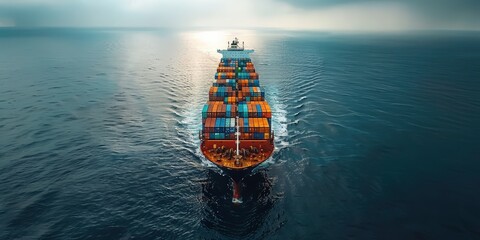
[[216, 109], [255, 109], [248, 83], [220, 93], [247, 75], [236, 92], [225, 83], [251, 94], [224, 75]]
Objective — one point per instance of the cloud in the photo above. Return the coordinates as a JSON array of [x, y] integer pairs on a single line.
[[428, 13], [377, 15], [364, 17], [105, 13]]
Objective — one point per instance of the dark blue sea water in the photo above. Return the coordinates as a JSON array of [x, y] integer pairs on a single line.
[[377, 136]]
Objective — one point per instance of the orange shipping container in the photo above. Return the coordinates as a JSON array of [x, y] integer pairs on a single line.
[[268, 110], [240, 124], [210, 108], [207, 125], [260, 125], [215, 109], [212, 124], [264, 109]]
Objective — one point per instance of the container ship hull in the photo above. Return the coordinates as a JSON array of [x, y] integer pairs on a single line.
[[246, 165], [236, 130]]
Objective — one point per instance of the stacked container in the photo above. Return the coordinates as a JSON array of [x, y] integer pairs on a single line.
[[248, 83], [225, 83], [236, 92], [225, 69], [224, 75], [248, 75], [219, 93], [251, 94], [216, 109], [259, 109]]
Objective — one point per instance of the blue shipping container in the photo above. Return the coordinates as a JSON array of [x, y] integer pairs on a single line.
[[204, 111], [217, 125], [259, 110], [229, 109]]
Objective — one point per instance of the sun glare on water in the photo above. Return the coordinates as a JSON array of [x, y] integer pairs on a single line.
[[210, 40]]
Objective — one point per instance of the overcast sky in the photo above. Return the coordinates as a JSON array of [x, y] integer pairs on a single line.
[[372, 15]]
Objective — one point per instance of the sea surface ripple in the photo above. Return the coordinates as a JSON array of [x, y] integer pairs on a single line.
[[376, 136]]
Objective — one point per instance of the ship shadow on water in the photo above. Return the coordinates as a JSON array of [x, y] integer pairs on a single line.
[[236, 220]]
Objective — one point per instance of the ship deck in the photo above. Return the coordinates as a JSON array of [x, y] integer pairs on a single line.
[[220, 152]]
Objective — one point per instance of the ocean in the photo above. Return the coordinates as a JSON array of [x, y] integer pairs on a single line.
[[377, 136]]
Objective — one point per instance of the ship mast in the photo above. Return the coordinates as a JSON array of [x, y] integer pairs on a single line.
[[238, 137], [237, 134]]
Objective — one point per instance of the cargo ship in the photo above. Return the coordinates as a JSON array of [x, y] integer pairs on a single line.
[[236, 133]]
